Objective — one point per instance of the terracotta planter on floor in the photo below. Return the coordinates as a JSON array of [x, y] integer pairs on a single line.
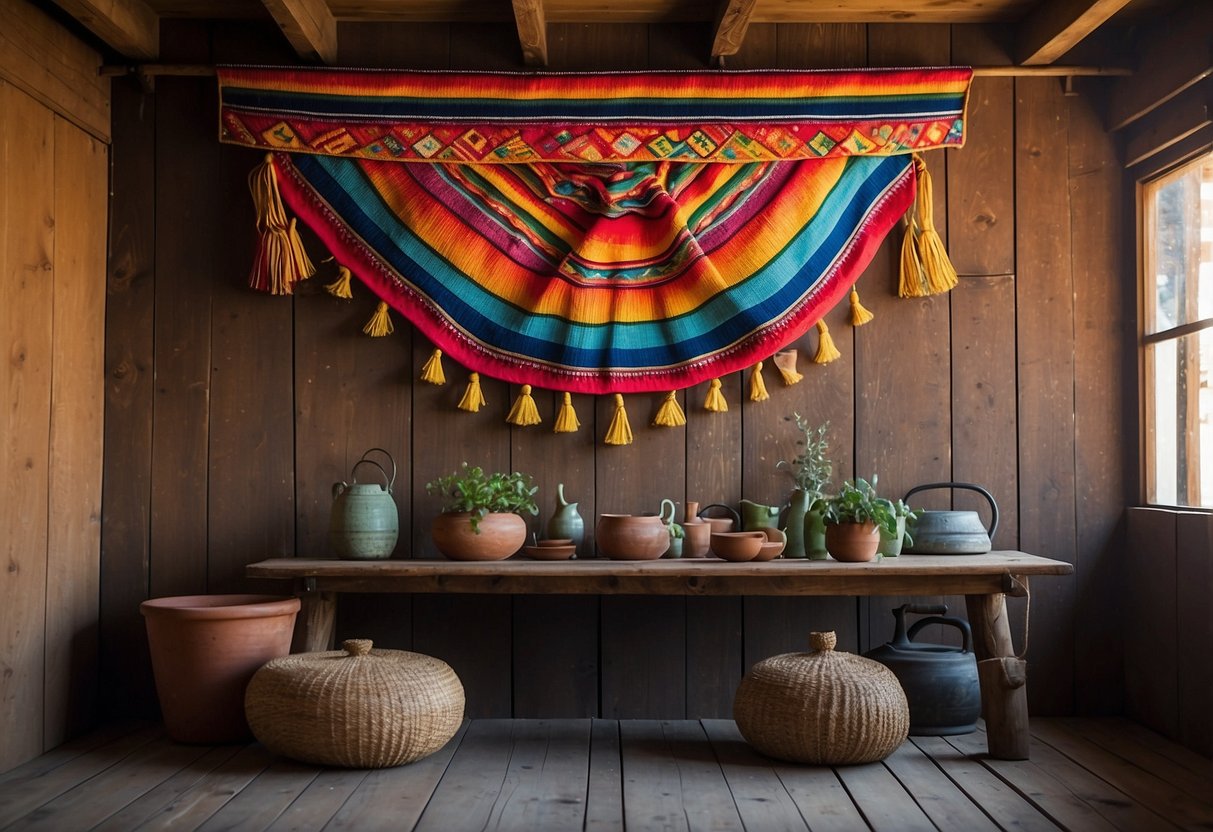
[[205, 649]]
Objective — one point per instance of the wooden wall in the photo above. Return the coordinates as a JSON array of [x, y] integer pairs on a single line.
[[229, 414], [52, 281]]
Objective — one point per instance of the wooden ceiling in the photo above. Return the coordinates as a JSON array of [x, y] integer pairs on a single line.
[[1045, 29]]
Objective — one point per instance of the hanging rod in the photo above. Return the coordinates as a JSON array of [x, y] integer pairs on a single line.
[[1052, 70]]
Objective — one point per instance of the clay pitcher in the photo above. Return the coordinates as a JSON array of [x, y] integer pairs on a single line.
[[756, 516], [697, 533], [363, 523], [566, 523], [634, 537]]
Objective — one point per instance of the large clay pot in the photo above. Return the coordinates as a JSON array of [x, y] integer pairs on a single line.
[[205, 649], [631, 537], [501, 535], [852, 542]]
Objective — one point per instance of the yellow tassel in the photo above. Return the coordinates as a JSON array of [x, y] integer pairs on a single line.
[[940, 274], [340, 288], [566, 419], [670, 414], [913, 280], [826, 351], [473, 396], [785, 363], [619, 432], [380, 323], [280, 261], [860, 314], [758, 388], [524, 412], [715, 399], [431, 370]]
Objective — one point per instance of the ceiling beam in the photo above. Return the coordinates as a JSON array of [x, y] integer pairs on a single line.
[[1057, 25], [532, 31], [308, 25], [129, 27], [731, 24]]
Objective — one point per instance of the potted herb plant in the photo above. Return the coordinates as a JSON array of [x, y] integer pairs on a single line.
[[855, 519], [891, 545], [810, 470], [481, 518]]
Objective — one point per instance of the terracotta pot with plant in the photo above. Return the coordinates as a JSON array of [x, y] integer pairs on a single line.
[[855, 519], [481, 518]]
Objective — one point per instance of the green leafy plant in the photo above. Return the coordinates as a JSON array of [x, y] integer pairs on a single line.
[[858, 502], [470, 489], [811, 468], [675, 530], [900, 509]]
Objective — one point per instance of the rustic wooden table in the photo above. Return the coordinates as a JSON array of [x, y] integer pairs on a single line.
[[984, 580]]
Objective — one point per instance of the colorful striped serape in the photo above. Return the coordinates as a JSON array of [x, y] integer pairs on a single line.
[[600, 233]]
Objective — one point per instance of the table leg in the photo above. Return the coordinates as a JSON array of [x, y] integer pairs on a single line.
[[314, 624], [1004, 691]]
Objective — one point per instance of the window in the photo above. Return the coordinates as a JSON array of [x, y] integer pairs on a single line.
[[1178, 335]]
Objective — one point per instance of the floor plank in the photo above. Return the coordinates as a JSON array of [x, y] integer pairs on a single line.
[[34, 784], [391, 799], [1169, 801], [938, 797], [760, 797], [1001, 802], [595, 774], [671, 781], [1070, 795]]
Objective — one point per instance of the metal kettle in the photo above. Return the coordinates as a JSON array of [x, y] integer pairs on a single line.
[[363, 522], [952, 532], [940, 681]]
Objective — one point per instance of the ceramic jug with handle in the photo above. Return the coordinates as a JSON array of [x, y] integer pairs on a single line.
[[363, 522], [565, 523]]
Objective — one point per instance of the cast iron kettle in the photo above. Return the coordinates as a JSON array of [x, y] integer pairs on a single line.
[[363, 523], [940, 681], [952, 532]]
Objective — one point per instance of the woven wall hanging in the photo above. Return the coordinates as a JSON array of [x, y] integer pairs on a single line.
[[599, 233]]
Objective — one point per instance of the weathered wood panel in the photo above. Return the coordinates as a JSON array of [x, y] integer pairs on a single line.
[[1151, 654], [77, 407], [903, 360], [1193, 577], [27, 241], [129, 355], [1045, 361]]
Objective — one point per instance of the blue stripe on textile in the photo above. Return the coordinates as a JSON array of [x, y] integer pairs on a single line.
[[915, 106], [730, 316]]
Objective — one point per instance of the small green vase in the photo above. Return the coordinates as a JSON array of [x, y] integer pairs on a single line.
[[890, 547], [796, 526], [815, 534]]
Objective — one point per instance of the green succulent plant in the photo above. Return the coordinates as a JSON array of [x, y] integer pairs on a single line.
[[810, 469], [858, 502], [470, 489]]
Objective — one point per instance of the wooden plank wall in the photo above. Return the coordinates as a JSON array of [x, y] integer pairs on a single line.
[[53, 197], [258, 403], [1169, 624]]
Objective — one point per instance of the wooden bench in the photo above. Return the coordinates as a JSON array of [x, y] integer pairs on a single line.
[[984, 580]]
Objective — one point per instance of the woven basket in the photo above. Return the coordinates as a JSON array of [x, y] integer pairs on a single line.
[[824, 707], [360, 708]]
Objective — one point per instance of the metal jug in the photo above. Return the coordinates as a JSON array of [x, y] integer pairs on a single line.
[[952, 532], [364, 524], [940, 681]]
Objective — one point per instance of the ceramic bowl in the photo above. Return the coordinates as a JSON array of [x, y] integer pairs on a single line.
[[737, 546], [770, 550], [555, 541], [775, 535], [542, 552]]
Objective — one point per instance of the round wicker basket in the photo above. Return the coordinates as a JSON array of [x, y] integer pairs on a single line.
[[360, 708], [824, 707]]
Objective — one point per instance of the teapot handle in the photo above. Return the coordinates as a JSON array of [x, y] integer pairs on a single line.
[[958, 623], [732, 512], [392, 479], [354, 479], [970, 487], [661, 513]]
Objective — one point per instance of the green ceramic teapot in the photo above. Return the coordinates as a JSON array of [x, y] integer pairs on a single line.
[[363, 523]]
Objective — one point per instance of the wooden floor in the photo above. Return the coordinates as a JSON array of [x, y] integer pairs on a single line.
[[533, 775]]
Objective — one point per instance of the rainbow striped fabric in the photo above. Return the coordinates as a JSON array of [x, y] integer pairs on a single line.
[[599, 233]]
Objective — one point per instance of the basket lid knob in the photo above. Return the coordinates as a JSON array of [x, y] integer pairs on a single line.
[[823, 641], [357, 646]]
